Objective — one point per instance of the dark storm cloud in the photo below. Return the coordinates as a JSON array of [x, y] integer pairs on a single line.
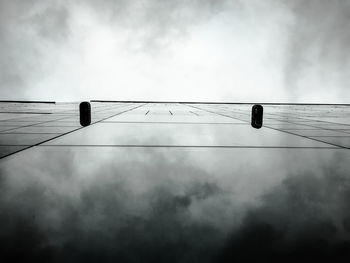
[[305, 218], [79, 213], [44, 220], [318, 44]]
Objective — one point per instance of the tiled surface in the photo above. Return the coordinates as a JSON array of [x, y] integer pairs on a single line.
[[166, 124]]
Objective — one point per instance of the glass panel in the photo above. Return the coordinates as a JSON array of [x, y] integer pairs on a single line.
[[184, 204], [337, 120], [342, 141], [17, 123], [289, 126], [43, 129], [5, 128], [40, 118], [23, 139], [61, 124], [179, 134], [151, 201], [332, 126], [312, 133], [8, 116], [5, 150], [173, 118], [171, 113]]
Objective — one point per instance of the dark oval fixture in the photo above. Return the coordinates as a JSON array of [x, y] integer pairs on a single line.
[[85, 113], [257, 116]]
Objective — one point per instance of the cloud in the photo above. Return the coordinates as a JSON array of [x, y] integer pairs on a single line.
[[160, 205], [304, 218], [174, 50], [69, 213], [26, 28], [46, 45], [316, 65]]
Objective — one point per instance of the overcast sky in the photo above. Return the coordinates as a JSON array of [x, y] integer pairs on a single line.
[[209, 50]]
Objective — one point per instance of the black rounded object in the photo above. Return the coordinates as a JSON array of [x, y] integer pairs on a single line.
[[257, 116], [85, 113]]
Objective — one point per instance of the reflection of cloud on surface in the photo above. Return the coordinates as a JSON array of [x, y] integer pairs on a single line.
[[163, 205], [302, 219], [127, 212]]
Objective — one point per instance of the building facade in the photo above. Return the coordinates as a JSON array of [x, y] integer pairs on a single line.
[[174, 182]]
